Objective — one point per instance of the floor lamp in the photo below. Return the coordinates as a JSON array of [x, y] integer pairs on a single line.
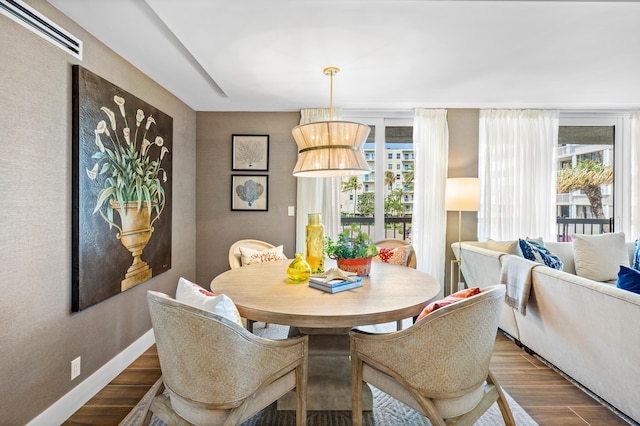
[[461, 195]]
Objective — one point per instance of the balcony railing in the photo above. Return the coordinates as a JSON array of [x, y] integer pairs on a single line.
[[400, 227], [568, 226], [394, 227]]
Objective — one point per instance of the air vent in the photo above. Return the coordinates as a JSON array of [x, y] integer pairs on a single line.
[[33, 20]]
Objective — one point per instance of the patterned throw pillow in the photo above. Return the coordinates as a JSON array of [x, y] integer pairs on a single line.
[[249, 256], [636, 255], [452, 298], [193, 295], [395, 255], [537, 252]]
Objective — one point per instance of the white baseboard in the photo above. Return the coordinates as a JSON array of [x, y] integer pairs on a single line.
[[62, 409]]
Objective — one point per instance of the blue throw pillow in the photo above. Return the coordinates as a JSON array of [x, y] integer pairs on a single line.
[[537, 252], [636, 256], [628, 279]]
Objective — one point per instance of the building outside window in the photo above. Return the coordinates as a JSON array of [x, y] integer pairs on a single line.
[[585, 199]]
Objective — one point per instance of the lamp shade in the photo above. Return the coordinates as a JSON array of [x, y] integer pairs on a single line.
[[330, 148], [462, 194]]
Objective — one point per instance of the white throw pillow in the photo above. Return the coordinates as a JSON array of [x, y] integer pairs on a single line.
[[193, 295], [509, 247], [249, 256], [598, 257]]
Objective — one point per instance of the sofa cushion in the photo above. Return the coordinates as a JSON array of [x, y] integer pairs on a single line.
[[193, 295], [509, 247], [452, 298], [628, 279], [536, 251], [598, 257], [636, 255]]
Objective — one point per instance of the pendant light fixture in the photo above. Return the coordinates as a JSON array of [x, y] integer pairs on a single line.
[[330, 148]]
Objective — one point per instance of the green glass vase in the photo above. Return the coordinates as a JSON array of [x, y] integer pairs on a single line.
[[298, 270]]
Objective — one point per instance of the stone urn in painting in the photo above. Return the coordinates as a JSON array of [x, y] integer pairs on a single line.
[[134, 234], [128, 162]]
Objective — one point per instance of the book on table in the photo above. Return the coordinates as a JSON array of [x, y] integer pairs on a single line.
[[335, 285]]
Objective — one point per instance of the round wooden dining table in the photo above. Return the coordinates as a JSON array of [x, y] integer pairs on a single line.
[[262, 292]]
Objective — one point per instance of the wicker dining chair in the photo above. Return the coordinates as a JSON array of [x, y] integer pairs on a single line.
[[215, 372], [235, 261], [439, 366], [411, 258], [234, 251]]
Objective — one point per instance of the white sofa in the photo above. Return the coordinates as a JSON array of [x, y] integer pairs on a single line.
[[587, 329]]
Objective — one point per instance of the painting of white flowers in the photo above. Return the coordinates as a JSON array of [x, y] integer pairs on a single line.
[[122, 150], [250, 152], [249, 192]]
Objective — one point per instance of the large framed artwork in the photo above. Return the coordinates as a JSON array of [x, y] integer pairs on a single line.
[[121, 190], [250, 192], [250, 153]]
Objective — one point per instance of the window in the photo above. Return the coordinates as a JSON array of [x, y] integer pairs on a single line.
[[588, 142], [382, 205]]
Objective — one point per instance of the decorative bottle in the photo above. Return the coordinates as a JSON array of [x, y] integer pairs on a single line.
[[298, 270], [315, 243]]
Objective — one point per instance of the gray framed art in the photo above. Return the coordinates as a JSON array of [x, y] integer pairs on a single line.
[[250, 153], [249, 192]]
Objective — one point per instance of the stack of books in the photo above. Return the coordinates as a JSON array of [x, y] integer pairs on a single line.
[[335, 285]]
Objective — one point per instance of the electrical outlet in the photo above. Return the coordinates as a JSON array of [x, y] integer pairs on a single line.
[[75, 368], [291, 211]]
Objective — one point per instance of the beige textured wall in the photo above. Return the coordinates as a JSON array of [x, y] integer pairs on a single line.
[[39, 336], [218, 226], [463, 162]]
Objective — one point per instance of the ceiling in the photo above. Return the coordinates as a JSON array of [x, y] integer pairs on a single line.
[[257, 55]]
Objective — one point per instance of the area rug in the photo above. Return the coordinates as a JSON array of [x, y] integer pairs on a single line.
[[387, 411]]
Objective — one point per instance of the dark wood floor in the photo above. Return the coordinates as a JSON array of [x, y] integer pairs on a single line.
[[549, 398]]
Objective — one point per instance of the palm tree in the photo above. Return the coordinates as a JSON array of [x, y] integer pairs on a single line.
[[389, 177], [366, 204], [408, 178], [352, 184], [393, 204], [588, 176]]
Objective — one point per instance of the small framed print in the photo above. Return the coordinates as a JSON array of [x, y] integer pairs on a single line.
[[249, 192], [250, 153]]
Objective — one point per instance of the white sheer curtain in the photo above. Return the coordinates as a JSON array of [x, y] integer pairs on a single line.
[[517, 167], [429, 223], [634, 180], [317, 195]]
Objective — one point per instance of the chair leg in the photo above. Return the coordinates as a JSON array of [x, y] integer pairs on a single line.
[[507, 415], [156, 389], [356, 388], [250, 325], [301, 393], [399, 325]]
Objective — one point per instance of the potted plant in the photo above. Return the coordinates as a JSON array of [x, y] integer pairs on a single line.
[[353, 250]]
